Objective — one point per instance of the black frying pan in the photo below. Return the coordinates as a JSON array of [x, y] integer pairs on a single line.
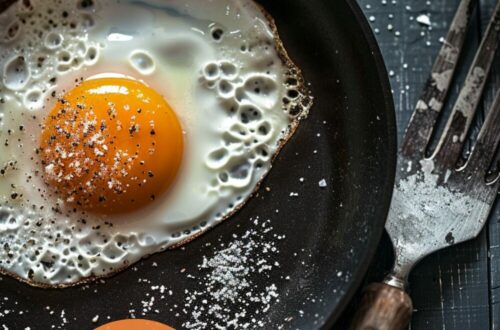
[[334, 231]]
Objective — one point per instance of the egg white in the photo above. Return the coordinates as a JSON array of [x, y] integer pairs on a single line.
[[219, 67]]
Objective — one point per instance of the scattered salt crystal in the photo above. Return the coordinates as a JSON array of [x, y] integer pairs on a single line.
[[227, 278], [424, 19], [323, 183], [95, 319], [49, 169]]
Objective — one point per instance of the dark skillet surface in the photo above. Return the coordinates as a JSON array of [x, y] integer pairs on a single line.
[[331, 233]]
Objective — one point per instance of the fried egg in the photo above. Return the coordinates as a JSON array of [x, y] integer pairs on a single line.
[[130, 127]]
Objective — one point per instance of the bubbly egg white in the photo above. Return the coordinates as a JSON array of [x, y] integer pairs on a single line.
[[218, 65]]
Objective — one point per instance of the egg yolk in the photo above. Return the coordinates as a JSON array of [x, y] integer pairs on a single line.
[[111, 145]]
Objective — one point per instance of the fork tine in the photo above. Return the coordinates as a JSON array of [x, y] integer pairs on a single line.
[[434, 93], [487, 141], [450, 144]]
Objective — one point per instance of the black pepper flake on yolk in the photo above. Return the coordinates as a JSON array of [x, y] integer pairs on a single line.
[[98, 151]]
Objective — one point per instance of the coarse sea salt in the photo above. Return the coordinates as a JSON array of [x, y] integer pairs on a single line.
[[227, 294], [424, 20]]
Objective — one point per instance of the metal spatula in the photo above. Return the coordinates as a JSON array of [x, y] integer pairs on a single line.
[[437, 203]]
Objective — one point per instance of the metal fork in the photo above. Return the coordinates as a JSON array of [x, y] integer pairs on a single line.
[[437, 203]]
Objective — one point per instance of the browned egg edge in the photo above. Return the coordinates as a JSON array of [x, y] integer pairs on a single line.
[[292, 128]]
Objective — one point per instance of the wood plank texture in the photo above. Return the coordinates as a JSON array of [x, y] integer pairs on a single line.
[[494, 223], [457, 288]]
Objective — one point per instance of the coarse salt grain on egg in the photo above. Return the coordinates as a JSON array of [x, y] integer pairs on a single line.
[[128, 128]]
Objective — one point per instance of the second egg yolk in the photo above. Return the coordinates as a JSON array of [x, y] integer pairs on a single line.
[[111, 145]]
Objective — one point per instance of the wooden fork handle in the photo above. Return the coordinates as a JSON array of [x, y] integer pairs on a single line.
[[383, 307]]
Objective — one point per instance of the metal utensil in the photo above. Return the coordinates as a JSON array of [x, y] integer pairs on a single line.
[[437, 203]]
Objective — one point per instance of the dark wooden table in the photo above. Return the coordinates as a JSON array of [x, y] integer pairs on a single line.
[[457, 288]]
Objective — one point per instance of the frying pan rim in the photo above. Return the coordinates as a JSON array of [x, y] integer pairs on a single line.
[[378, 224]]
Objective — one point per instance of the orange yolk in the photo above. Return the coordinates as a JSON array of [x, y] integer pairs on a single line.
[[111, 145]]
